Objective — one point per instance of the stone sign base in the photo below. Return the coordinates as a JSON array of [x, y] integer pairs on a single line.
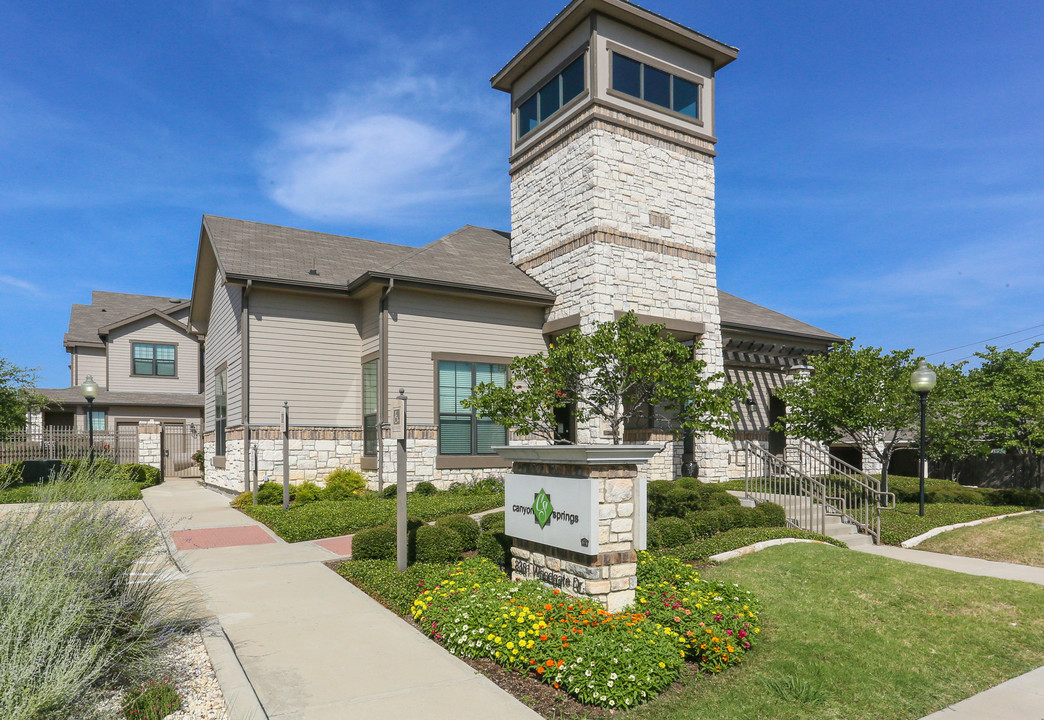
[[608, 577], [609, 572]]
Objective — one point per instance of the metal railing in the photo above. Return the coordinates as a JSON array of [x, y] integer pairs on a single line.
[[65, 443], [769, 478], [859, 494]]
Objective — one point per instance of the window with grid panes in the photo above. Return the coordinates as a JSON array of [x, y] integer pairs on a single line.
[[220, 411], [153, 359], [461, 430]]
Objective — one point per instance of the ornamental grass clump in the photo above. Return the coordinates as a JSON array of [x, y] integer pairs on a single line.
[[79, 611], [613, 660]]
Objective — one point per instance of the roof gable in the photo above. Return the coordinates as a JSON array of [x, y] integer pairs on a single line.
[[110, 309]]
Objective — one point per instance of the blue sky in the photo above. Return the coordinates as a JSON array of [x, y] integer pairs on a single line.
[[880, 170]]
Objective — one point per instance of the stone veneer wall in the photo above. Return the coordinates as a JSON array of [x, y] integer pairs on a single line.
[[316, 452], [150, 443], [609, 577], [611, 218]]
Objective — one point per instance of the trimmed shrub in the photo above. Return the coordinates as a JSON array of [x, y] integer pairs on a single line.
[[703, 548], [374, 544], [307, 492], [425, 488], [465, 526], [144, 475], [271, 493], [389, 492], [437, 544], [495, 546], [669, 532], [1013, 496], [243, 499], [343, 484], [676, 499], [493, 521], [772, 515], [703, 524]]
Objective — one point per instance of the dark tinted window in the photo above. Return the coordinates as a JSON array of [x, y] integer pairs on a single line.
[[686, 98], [549, 99], [627, 75], [573, 79], [657, 88], [527, 116]]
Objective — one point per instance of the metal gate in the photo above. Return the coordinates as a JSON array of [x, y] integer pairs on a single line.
[[180, 443]]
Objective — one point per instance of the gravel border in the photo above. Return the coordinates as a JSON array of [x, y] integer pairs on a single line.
[[192, 673]]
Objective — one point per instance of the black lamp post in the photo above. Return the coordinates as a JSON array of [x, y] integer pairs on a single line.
[[89, 388], [922, 381]]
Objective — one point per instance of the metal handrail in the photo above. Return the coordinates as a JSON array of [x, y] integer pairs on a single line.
[[768, 478], [860, 493]]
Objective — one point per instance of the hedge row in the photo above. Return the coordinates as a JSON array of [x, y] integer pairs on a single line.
[[20, 483], [903, 522], [741, 537]]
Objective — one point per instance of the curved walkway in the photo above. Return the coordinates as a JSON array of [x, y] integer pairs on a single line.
[[313, 646]]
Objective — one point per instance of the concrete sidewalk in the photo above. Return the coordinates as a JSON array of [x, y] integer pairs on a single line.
[[312, 645], [968, 566], [1020, 698]]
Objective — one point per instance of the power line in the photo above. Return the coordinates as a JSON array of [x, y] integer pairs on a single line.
[[1006, 345], [980, 342]]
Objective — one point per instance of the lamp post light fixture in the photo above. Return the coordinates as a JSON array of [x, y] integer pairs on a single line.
[[89, 388], [922, 382]]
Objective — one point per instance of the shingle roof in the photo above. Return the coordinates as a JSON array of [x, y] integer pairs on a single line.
[[74, 396], [472, 256], [107, 308], [742, 314]]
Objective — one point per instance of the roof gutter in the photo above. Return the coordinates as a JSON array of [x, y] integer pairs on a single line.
[[465, 288]]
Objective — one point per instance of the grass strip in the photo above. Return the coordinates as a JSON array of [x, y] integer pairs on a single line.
[[1014, 540], [741, 537], [862, 637], [903, 522], [326, 518]]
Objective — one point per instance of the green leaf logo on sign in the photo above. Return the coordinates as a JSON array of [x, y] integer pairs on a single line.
[[542, 508]]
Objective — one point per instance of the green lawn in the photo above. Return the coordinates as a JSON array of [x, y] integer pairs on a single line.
[[1015, 540], [326, 518], [854, 636], [903, 522]]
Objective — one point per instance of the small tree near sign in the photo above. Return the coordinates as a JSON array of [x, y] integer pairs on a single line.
[[619, 372]]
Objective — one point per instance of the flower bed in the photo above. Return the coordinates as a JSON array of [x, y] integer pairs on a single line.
[[612, 660]]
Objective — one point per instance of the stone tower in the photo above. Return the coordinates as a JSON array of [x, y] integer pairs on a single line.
[[612, 181]]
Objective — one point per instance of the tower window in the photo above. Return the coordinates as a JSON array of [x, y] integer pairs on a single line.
[[551, 97], [655, 86]]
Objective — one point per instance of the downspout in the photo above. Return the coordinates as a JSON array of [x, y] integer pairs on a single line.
[[244, 393], [382, 378]]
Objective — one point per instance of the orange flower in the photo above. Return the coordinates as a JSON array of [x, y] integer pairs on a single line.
[[550, 663], [540, 670], [543, 638], [548, 606]]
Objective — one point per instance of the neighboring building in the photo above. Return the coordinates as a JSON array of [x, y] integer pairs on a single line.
[[146, 361], [612, 199]]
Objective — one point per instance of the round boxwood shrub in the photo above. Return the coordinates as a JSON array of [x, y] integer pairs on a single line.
[[142, 474], [243, 499], [493, 521], [307, 492], [466, 527], [437, 544], [669, 532], [495, 546], [389, 492], [771, 515], [703, 524], [271, 493], [425, 488], [376, 543]]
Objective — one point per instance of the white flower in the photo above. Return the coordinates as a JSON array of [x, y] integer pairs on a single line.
[[609, 684], [587, 673], [612, 676]]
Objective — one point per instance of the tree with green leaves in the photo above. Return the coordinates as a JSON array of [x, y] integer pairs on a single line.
[[858, 393], [954, 420], [17, 395], [620, 372], [1008, 391]]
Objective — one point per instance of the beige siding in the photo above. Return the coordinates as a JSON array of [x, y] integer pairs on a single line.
[[369, 325], [304, 350], [130, 414], [223, 345], [152, 330], [424, 323], [89, 361], [754, 417]]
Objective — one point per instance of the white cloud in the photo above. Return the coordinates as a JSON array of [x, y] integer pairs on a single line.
[[21, 285], [363, 161]]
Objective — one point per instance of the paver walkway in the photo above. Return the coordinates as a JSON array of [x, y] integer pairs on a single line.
[[313, 646], [1020, 698]]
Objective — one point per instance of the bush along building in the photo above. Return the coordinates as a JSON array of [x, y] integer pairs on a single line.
[[612, 210]]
